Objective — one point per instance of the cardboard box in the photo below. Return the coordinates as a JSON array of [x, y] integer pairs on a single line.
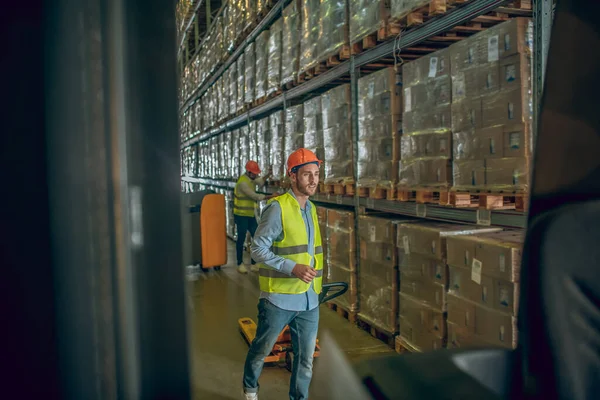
[[376, 230], [468, 174], [488, 78], [507, 107], [461, 313], [508, 38], [421, 317], [466, 85], [423, 268], [459, 337], [430, 293], [491, 142], [417, 340], [339, 273], [429, 238], [517, 140], [340, 220], [467, 115], [378, 303], [514, 72], [503, 173], [466, 54], [465, 145], [342, 248], [499, 252]]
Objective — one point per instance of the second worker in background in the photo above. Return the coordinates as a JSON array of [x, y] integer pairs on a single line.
[[244, 205], [288, 248]]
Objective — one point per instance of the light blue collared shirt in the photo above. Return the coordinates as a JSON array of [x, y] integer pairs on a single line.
[[270, 229]]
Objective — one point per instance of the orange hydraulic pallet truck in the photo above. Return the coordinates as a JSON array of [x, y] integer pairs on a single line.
[[282, 351]]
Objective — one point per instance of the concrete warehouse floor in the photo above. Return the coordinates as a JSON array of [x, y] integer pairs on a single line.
[[218, 350]]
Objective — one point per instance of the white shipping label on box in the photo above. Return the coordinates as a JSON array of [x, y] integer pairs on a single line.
[[433, 67], [407, 100], [493, 53], [406, 244], [373, 233], [476, 271]]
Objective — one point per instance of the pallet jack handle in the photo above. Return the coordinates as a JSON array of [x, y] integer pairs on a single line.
[[332, 290]]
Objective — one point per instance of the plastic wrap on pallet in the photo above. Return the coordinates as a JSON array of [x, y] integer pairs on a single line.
[[313, 129], [337, 133], [223, 98], [422, 327], [341, 255], [235, 154], [229, 26], [290, 43], [277, 148], [261, 48], [401, 8], [379, 120], [333, 29], [263, 134], [251, 13], [366, 17], [237, 17], [199, 118], [244, 147], [294, 128], [274, 57], [227, 155], [426, 143], [233, 86], [310, 33], [378, 273], [492, 108], [250, 131], [241, 83], [250, 67]]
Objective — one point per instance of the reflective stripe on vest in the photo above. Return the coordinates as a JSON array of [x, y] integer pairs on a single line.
[[293, 246], [243, 205]]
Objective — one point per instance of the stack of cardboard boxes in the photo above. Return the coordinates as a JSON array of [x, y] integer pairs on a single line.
[[274, 58], [263, 134], [366, 17], [492, 108], [322, 215], [277, 148], [261, 47], [290, 42], [379, 124], [378, 273], [235, 154], [294, 129], [313, 129], [310, 34], [424, 281], [341, 256], [250, 69], [483, 295], [426, 148], [337, 134], [333, 28], [241, 83]]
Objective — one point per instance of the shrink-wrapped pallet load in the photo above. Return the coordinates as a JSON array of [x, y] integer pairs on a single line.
[[337, 135], [274, 58], [277, 149], [290, 43], [310, 34], [261, 48]]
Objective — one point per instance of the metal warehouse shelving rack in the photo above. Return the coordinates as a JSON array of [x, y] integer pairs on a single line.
[[351, 69]]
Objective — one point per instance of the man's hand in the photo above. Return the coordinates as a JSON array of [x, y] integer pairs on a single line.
[[271, 196], [304, 272]]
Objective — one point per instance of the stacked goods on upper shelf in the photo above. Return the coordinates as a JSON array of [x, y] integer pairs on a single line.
[[261, 47], [219, 44], [212, 164], [426, 144], [222, 90], [235, 154], [424, 281], [241, 83], [290, 43], [199, 120], [190, 161], [237, 16], [341, 256], [229, 27], [233, 89], [182, 10], [310, 34], [250, 14], [484, 289], [313, 130], [333, 30], [367, 17], [244, 143], [277, 147], [322, 216], [249, 64], [250, 131], [294, 129], [274, 58], [337, 135], [378, 273], [263, 136], [492, 108], [379, 124], [227, 155]]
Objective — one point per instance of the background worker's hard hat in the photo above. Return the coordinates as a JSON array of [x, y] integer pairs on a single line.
[[301, 157], [252, 166]]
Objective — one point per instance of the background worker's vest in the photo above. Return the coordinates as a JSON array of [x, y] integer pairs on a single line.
[[293, 246], [243, 205]]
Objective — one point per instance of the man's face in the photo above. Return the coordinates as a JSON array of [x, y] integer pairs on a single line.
[[251, 175], [306, 179]]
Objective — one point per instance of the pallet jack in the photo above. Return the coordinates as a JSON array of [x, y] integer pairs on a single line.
[[282, 350]]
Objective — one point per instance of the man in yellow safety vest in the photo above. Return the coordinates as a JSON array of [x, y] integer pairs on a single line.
[[244, 204], [288, 248]]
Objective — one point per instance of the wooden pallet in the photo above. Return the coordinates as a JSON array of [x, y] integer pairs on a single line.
[[260, 101], [377, 193], [342, 311], [424, 195], [291, 84], [384, 335], [343, 189], [403, 347], [517, 201]]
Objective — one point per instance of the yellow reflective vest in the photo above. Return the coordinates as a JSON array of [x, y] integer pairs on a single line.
[[243, 205], [293, 246]]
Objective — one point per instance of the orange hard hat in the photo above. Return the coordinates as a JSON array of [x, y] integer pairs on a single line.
[[252, 166], [301, 157]]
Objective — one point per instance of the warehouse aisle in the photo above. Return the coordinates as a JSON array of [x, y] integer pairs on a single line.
[[218, 350]]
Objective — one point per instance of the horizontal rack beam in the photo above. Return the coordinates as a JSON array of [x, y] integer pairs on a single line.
[[416, 35]]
